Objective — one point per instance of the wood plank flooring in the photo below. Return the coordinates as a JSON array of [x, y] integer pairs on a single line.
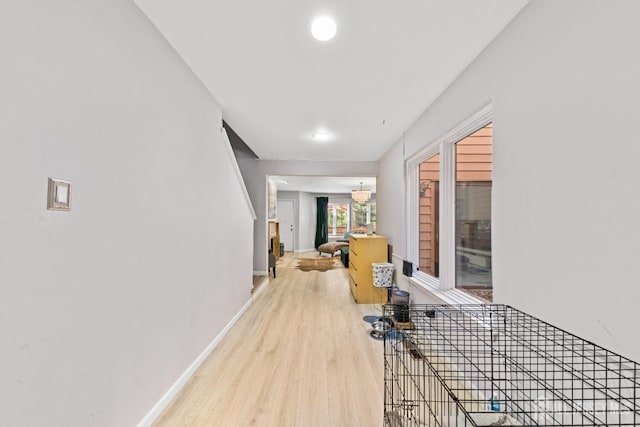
[[300, 356]]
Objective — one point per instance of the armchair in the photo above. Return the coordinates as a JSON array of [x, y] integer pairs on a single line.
[[340, 244]]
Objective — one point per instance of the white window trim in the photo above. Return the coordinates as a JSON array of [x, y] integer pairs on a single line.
[[444, 286], [447, 296], [334, 216]]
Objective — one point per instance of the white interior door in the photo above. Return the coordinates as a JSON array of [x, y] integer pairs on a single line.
[[286, 220]]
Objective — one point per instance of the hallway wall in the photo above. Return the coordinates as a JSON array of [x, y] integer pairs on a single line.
[[105, 306], [564, 86]]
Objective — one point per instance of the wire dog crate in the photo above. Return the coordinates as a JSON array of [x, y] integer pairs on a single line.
[[480, 365]]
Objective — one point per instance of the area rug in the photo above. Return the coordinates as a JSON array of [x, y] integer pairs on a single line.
[[317, 264]]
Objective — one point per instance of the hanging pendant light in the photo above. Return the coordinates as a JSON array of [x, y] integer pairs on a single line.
[[361, 195]]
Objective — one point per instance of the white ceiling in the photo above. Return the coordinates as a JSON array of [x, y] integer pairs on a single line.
[[324, 184], [277, 85]]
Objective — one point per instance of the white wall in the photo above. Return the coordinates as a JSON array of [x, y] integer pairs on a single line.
[[103, 307], [255, 172], [307, 227], [563, 79], [390, 204]]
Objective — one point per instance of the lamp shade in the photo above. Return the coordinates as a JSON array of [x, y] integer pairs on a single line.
[[382, 274], [361, 195]]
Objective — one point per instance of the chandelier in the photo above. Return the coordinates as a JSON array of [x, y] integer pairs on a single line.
[[360, 196]]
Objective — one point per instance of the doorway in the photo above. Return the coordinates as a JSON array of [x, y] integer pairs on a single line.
[[286, 220]]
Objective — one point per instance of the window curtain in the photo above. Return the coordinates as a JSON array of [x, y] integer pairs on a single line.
[[322, 221]]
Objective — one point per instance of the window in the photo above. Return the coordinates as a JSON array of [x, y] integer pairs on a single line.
[[361, 215], [429, 207], [338, 218], [449, 209], [352, 217], [474, 167]]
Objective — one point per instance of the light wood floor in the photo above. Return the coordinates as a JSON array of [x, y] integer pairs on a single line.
[[299, 356]]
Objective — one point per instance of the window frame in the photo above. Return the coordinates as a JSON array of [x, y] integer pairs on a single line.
[[445, 146], [350, 212], [333, 213], [368, 214]]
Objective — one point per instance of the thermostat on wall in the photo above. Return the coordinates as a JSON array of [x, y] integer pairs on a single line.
[[59, 195]]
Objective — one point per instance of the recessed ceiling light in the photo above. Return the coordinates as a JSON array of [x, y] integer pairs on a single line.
[[320, 136], [323, 28]]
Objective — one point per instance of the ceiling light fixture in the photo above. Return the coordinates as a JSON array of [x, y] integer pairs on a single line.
[[321, 136], [323, 28], [361, 196]]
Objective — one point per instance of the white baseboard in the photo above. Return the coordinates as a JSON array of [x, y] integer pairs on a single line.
[[261, 288], [260, 273], [306, 250], [168, 397]]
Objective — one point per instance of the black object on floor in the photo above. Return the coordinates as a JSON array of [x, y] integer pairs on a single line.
[[401, 313], [272, 263]]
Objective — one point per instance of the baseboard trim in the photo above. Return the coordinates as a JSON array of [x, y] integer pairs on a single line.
[[261, 288], [168, 397], [306, 250], [260, 273]]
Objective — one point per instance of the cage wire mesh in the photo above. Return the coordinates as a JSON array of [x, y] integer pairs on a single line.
[[480, 365]]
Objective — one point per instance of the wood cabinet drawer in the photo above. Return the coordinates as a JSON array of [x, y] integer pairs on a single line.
[[363, 251], [352, 271], [353, 244], [353, 256], [355, 272], [354, 288]]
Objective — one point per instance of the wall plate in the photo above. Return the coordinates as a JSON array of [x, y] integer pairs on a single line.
[[59, 195]]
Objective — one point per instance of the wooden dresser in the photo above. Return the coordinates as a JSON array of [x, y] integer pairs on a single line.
[[363, 251]]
